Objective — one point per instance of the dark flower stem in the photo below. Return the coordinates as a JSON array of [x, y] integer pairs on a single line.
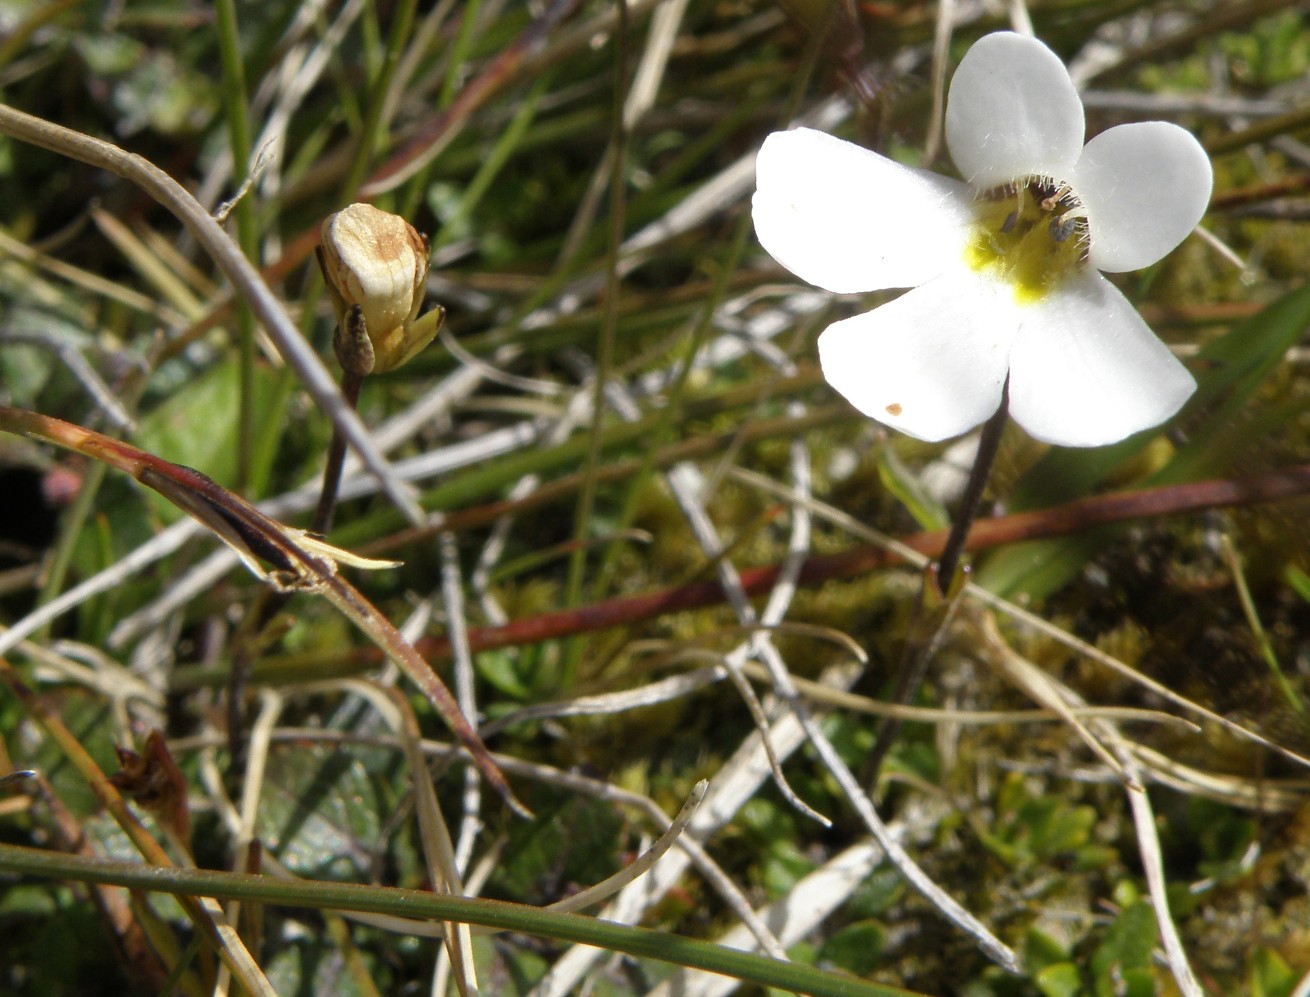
[[327, 496], [990, 441], [934, 608]]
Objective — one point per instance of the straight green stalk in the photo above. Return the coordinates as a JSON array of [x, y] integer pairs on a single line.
[[238, 131]]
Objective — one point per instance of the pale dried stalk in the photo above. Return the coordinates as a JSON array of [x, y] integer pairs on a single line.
[[438, 850]]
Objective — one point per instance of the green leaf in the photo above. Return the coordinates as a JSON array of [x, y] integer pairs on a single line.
[[323, 810], [1067, 830], [856, 948], [1269, 975], [1127, 947], [909, 491], [1298, 580], [198, 427], [1042, 949], [520, 966], [1059, 980], [876, 895], [573, 842], [501, 669]]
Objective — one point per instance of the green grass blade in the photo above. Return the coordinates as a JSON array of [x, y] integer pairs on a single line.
[[641, 942]]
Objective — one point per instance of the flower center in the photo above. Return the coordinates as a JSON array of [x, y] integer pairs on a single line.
[[1031, 233]]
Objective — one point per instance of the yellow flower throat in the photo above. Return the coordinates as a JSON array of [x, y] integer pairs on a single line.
[[1031, 233]]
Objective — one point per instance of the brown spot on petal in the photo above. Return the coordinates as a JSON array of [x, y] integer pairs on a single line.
[[894, 408]]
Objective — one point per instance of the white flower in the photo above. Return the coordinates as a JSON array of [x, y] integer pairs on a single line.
[[1003, 267]]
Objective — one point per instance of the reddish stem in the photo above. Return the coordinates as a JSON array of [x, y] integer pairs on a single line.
[[1061, 520]]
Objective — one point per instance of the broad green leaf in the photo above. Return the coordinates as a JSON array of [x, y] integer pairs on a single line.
[[1059, 980], [198, 426], [1269, 975], [1127, 947], [324, 810]]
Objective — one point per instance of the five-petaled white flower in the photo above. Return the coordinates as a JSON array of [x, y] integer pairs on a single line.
[[1003, 267]]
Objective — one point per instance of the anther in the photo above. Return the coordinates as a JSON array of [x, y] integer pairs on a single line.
[[1063, 227]]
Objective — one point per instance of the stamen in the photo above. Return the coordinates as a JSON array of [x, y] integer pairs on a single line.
[[1062, 227], [1060, 195], [1032, 232]]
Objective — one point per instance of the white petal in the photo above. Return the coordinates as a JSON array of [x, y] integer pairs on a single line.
[[1145, 186], [847, 219], [1085, 369], [932, 362], [1012, 112]]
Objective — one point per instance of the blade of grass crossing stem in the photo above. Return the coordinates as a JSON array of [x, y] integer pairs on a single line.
[[238, 137], [201, 909]]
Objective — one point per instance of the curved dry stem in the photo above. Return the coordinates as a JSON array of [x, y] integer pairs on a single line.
[[299, 563], [244, 277], [606, 888]]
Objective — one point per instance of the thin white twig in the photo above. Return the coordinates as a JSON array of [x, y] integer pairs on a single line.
[[1021, 21], [1148, 846], [806, 905], [941, 42], [452, 599]]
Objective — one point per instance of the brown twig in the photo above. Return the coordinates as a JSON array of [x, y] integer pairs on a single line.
[[1062, 520], [1240, 197], [1043, 524], [624, 611]]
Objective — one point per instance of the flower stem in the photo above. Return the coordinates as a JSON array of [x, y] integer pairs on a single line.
[[934, 608], [988, 443], [327, 496]]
